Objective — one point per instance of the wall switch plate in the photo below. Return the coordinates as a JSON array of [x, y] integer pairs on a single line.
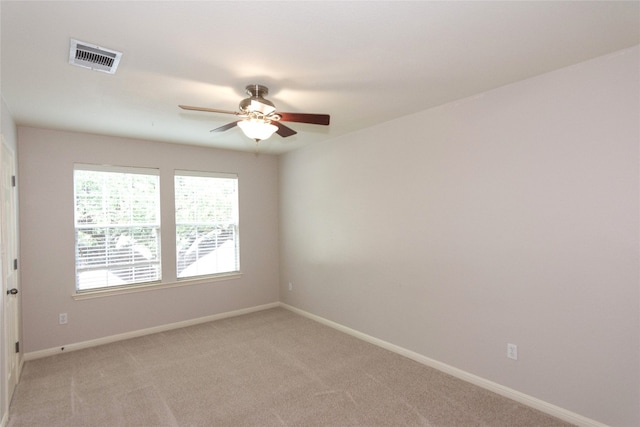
[[512, 351], [62, 318], [290, 286]]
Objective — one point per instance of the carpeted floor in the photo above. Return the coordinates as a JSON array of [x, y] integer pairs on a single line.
[[271, 368]]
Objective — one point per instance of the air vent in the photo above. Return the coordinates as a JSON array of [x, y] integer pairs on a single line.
[[94, 57]]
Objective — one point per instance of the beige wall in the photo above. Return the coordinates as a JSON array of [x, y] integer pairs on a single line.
[[509, 217], [45, 167]]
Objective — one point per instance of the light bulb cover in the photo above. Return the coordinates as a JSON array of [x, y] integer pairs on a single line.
[[257, 129]]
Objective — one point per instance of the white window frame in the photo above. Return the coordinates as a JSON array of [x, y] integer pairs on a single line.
[[220, 257], [106, 268], [168, 256]]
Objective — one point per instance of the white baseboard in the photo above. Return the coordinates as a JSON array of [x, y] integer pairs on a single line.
[[547, 408], [507, 392], [134, 334]]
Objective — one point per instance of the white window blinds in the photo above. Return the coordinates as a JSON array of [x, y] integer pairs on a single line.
[[117, 223], [207, 240]]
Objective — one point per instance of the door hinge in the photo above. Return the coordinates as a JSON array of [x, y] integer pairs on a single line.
[[13, 180], [17, 346], [15, 264]]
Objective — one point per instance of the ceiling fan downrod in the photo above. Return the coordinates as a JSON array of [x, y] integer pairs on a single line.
[[256, 90]]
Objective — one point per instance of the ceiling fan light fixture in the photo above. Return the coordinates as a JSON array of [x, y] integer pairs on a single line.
[[257, 129], [258, 115]]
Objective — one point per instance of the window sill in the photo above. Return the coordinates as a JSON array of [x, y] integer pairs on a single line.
[[98, 293]]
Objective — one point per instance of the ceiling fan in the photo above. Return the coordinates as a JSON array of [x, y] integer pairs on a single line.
[[259, 118]]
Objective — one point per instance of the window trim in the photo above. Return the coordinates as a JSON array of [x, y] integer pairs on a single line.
[[153, 286], [207, 174], [198, 174], [164, 227], [132, 170], [137, 170]]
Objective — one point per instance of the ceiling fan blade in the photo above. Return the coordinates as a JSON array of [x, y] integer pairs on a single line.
[[225, 127], [209, 110], [314, 119], [283, 131]]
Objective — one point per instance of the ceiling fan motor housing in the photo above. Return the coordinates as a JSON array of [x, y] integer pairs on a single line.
[[256, 102]]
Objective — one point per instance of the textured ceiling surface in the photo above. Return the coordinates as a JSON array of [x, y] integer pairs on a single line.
[[361, 62]]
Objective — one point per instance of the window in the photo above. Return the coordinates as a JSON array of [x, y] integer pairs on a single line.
[[206, 223], [117, 226], [118, 233]]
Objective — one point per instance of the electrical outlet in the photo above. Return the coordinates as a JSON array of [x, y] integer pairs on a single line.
[[62, 318], [512, 351], [290, 286]]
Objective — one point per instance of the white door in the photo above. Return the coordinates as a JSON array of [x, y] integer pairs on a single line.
[[9, 249]]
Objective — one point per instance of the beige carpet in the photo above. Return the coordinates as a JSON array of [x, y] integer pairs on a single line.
[[271, 368]]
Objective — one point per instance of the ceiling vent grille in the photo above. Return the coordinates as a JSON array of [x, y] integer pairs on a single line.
[[94, 57]]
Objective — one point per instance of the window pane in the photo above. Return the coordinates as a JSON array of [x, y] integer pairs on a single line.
[[206, 224], [117, 228]]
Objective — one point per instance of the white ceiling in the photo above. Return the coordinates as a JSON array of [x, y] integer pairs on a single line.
[[361, 62]]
